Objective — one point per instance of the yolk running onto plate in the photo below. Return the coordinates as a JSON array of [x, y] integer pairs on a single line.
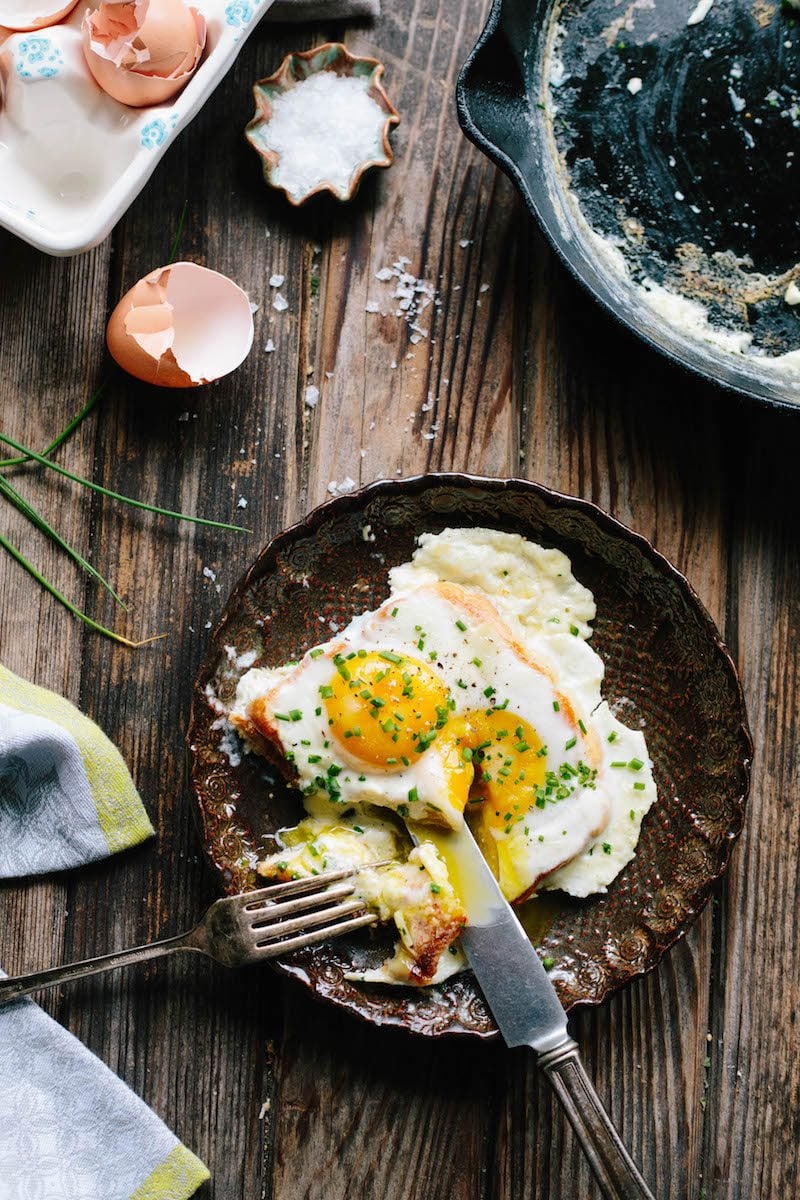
[[384, 708]]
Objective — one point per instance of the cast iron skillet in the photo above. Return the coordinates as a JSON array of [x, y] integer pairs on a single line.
[[696, 175]]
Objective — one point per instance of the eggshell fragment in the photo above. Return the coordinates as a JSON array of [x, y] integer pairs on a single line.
[[141, 52], [25, 15], [181, 326]]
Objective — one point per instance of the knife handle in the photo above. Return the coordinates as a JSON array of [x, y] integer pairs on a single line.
[[615, 1170]]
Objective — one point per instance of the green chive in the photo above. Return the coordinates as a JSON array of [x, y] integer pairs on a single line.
[[460, 625]]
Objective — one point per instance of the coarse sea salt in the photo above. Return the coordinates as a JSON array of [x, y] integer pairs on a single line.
[[323, 128]]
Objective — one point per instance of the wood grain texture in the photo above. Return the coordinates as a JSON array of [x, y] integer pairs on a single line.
[[515, 372]]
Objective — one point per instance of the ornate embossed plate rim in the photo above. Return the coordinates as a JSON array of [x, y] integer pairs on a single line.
[[380, 1008]]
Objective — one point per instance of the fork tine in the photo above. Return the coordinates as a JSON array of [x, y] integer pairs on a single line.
[[307, 884], [273, 949], [263, 918], [264, 934]]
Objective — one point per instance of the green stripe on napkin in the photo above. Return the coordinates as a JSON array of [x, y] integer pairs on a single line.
[[177, 1177], [51, 751]]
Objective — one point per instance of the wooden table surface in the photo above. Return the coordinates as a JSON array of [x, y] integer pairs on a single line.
[[280, 1096]]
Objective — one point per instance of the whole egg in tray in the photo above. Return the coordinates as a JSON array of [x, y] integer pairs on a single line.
[[72, 158]]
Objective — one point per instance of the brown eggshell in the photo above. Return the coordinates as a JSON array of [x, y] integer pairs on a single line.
[[21, 22], [174, 38], [181, 326]]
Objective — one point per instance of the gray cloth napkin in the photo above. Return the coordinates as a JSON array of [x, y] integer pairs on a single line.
[[323, 10]]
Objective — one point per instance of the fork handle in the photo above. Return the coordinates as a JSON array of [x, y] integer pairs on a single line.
[[23, 985], [615, 1170]]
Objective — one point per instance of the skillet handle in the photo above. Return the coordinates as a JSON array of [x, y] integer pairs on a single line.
[[616, 1172]]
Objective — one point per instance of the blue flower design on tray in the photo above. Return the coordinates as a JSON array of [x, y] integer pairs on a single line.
[[38, 58], [239, 13], [153, 133]]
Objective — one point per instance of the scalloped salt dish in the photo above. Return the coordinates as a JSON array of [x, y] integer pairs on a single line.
[[72, 159]]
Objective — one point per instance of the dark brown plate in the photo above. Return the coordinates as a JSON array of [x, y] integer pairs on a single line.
[[667, 671]]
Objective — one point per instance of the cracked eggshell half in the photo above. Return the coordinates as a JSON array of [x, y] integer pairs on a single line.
[[181, 326], [142, 52], [26, 15]]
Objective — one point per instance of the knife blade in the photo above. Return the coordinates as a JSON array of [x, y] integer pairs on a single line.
[[527, 1009], [522, 999]]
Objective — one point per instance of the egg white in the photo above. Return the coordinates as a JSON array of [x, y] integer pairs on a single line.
[[528, 651]]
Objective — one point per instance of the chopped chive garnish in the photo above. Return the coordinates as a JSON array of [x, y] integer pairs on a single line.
[[466, 754], [548, 963], [295, 714], [402, 810], [314, 758], [521, 747], [282, 717], [606, 847], [574, 630], [581, 726], [435, 888], [395, 611], [316, 653], [477, 662], [639, 787], [390, 656], [612, 737], [413, 795], [460, 625], [489, 691], [632, 814], [326, 691], [568, 745], [556, 706], [636, 764], [619, 764]]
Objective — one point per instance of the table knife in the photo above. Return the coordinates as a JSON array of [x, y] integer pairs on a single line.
[[527, 1009]]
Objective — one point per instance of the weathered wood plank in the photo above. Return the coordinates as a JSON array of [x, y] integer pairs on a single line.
[[603, 424], [51, 350], [754, 1074]]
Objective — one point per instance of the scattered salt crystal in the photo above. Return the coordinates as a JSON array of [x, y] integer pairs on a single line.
[[312, 395], [280, 303], [366, 534], [679, 196], [241, 503], [207, 625], [254, 307], [384, 274], [276, 280], [372, 306], [329, 374], [700, 12], [184, 416], [464, 242], [270, 346], [322, 129], [484, 287], [634, 85], [393, 365], [792, 294], [343, 487], [209, 574]]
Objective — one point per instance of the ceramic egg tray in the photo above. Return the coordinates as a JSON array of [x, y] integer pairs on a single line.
[[72, 159]]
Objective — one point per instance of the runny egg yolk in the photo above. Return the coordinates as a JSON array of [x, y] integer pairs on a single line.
[[385, 709], [496, 757]]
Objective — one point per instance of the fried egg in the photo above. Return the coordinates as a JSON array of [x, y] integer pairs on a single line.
[[471, 690]]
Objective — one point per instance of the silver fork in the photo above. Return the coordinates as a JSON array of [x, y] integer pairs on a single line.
[[236, 930]]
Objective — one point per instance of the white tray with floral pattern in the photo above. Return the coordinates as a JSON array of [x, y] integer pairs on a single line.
[[72, 159]]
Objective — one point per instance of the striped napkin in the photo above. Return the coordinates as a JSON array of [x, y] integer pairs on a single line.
[[69, 1129]]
